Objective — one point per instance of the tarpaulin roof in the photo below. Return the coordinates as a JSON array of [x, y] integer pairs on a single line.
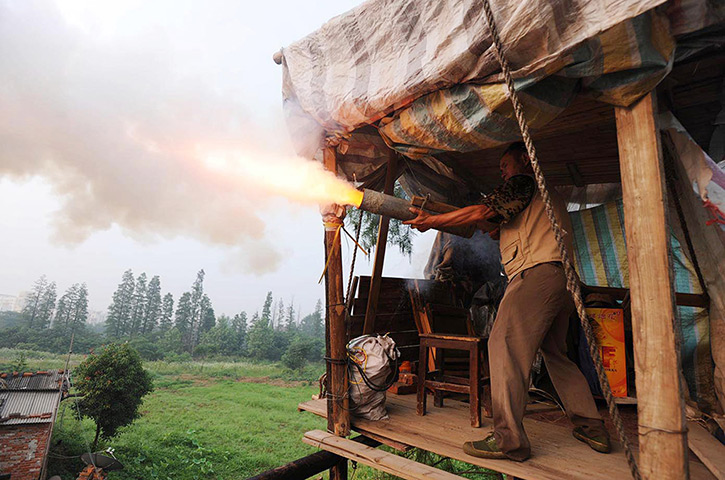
[[422, 71]]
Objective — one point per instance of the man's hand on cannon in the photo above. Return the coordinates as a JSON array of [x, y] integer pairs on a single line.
[[422, 222]]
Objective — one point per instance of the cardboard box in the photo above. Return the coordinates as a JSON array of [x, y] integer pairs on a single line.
[[608, 326]]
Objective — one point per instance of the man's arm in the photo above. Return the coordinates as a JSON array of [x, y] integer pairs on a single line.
[[504, 203], [471, 215]]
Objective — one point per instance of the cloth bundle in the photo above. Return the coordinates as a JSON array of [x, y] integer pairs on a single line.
[[373, 361]]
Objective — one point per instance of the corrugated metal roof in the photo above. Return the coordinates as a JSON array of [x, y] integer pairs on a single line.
[[18, 407], [49, 380]]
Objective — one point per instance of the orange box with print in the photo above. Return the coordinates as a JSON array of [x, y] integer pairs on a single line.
[[608, 325]]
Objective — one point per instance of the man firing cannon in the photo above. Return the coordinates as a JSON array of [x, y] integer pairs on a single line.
[[533, 314]]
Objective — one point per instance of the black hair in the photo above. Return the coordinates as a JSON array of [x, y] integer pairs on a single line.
[[517, 148]]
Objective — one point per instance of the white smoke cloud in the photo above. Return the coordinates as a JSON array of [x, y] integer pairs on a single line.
[[119, 131]]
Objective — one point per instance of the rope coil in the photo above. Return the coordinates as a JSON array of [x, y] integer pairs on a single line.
[[572, 281]]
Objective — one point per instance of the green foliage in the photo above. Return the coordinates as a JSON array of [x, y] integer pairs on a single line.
[[120, 312], [147, 349], [398, 234], [11, 319], [113, 383], [40, 304], [20, 363], [300, 350], [228, 420], [72, 312]]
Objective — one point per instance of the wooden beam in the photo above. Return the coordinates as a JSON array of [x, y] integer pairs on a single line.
[[372, 308], [338, 417], [310, 465], [710, 451], [378, 459], [682, 299], [663, 439]]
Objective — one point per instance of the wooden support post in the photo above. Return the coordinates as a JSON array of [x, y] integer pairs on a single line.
[[338, 413], [662, 435], [374, 294]]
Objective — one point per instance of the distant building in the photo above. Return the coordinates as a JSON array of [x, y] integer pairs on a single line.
[[7, 302], [28, 407], [12, 303]]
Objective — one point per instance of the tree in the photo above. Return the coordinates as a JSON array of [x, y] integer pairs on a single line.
[[197, 308], [290, 324], [267, 308], [153, 306], [297, 353], [260, 337], [208, 319], [47, 306], [239, 325], [166, 321], [220, 339], [118, 321], [312, 324], [139, 304], [182, 319], [33, 300], [72, 312], [280, 315], [80, 307], [113, 384]]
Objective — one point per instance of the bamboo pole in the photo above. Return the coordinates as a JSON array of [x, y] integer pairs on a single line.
[[662, 434], [375, 279], [338, 413]]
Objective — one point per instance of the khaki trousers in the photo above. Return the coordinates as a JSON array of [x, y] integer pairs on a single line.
[[534, 313]]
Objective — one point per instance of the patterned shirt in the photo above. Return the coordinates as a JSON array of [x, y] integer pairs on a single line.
[[511, 198]]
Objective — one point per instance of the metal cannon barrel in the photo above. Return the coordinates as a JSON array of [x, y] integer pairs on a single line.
[[394, 207]]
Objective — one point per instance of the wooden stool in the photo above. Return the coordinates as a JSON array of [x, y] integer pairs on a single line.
[[446, 383]]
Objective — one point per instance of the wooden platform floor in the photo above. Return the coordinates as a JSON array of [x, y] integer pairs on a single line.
[[556, 455]]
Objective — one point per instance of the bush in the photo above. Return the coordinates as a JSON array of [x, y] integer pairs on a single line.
[[298, 353], [112, 383]]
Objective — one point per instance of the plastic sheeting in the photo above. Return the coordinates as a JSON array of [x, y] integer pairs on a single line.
[[384, 54], [601, 260]]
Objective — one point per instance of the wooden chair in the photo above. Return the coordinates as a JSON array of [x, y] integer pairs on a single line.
[[452, 358]]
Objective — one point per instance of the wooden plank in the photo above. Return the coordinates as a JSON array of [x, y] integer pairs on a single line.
[[389, 305], [707, 448], [682, 299], [370, 312], [401, 447], [556, 455], [338, 419], [380, 460], [385, 322], [663, 440]]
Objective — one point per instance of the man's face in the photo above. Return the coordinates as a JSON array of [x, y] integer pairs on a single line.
[[511, 165]]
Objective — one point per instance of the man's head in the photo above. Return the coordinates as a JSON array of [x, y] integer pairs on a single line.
[[515, 161]]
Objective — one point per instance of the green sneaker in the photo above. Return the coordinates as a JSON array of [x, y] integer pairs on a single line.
[[486, 448], [598, 440]]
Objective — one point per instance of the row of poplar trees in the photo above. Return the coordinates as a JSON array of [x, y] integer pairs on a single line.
[[139, 309], [42, 308]]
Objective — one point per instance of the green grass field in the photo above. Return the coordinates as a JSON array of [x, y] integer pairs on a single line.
[[204, 420]]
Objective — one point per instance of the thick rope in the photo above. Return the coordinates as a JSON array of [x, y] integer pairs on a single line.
[[572, 280]]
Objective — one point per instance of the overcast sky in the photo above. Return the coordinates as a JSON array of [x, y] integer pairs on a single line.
[[106, 106]]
